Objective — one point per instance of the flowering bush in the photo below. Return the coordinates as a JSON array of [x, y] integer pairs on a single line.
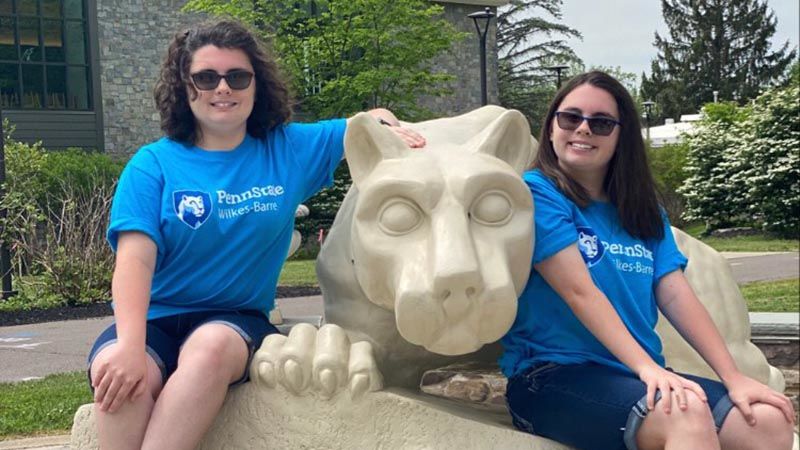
[[743, 164]]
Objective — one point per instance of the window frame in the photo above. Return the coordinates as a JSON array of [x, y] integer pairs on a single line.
[[87, 66]]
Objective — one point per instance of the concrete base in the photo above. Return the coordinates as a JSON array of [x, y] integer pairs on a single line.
[[253, 417]]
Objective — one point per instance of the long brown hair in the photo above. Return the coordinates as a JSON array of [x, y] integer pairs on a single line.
[[628, 182], [272, 105]]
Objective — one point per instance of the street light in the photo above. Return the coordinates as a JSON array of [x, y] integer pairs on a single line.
[[5, 257], [482, 18], [648, 107], [558, 70]]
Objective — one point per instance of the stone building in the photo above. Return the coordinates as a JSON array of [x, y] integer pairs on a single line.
[[80, 73]]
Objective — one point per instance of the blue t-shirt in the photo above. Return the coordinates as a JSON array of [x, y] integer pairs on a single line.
[[222, 221], [624, 268]]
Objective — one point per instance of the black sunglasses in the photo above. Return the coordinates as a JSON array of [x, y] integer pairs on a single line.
[[207, 80], [601, 126]]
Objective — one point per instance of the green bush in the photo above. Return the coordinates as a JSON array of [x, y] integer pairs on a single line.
[[743, 164], [57, 212], [668, 164]]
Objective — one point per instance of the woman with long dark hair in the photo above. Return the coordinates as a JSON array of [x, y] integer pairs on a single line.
[[583, 359], [201, 223]]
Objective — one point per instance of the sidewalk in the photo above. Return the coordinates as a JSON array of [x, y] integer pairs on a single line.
[[59, 442]]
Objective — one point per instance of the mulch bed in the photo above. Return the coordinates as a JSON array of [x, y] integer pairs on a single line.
[[10, 318]]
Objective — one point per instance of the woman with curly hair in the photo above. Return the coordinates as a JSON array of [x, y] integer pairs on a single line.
[[201, 224]]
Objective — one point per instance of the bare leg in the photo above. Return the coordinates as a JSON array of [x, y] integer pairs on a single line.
[[771, 430], [680, 429], [125, 428], [212, 357]]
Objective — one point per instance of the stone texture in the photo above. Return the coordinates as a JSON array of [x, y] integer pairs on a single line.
[[255, 418], [463, 61], [470, 382], [133, 37]]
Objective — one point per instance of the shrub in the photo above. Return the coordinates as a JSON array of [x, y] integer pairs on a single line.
[[710, 196], [668, 164], [743, 164], [770, 157], [57, 211]]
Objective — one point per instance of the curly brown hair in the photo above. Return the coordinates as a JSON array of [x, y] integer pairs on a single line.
[[272, 106]]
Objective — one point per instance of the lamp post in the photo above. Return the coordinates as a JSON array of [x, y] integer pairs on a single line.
[[558, 70], [482, 18], [648, 107], [5, 257]]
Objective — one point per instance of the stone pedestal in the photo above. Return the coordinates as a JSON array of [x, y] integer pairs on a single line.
[[253, 418]]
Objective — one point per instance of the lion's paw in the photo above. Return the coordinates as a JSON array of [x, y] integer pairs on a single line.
[[322, 361]]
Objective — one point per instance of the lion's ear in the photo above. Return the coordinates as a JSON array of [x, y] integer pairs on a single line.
[[366, 143], [508, 138]]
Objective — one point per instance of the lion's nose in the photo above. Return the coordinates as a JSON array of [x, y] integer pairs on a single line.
[[456, 291]]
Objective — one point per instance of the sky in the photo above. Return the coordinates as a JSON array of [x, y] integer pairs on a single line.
[[621, 32]]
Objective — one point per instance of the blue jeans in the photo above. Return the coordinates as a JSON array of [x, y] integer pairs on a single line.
[[166, 335], [591, 406]]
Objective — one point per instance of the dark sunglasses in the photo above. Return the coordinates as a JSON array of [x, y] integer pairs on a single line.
[[207, 80], [601, 126]]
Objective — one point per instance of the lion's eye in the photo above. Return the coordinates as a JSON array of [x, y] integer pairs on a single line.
[[399, 217], [492, 208]]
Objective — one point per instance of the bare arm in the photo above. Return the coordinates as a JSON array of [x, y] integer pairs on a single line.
[[123, 373], [567, 274], [679, 304]]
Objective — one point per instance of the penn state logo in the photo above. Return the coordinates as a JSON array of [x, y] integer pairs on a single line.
[[192, 207], [589, 245]]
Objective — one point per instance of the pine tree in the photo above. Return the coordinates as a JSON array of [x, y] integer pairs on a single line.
[[714, 45], [529, 39]]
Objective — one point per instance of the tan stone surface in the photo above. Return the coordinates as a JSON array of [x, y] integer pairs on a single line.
[[254, 418]]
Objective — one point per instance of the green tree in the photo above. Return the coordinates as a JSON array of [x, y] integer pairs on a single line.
[[714, 45], [529, 39], [344, 56]]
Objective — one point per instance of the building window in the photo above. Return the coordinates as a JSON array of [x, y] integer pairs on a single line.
[[44, 57]]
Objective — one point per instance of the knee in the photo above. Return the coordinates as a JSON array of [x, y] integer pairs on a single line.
[[772, 427], [214, 352], [695, 419]]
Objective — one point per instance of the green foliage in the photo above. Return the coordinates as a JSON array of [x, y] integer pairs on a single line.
[[668, 165], [743, 166], [529, 39], [42, 406], [345, 56], [769, 158], [57, 212], [714, 46]]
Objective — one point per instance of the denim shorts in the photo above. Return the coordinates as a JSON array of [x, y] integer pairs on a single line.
[[591, 406], [166, 335]]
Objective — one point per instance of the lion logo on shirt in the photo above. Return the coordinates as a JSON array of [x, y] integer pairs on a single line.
[[588, 245], [190, 207]]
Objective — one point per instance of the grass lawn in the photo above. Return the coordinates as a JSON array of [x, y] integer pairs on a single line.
[[44, 406], [757, 243], [772, 296], [298, 273]]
